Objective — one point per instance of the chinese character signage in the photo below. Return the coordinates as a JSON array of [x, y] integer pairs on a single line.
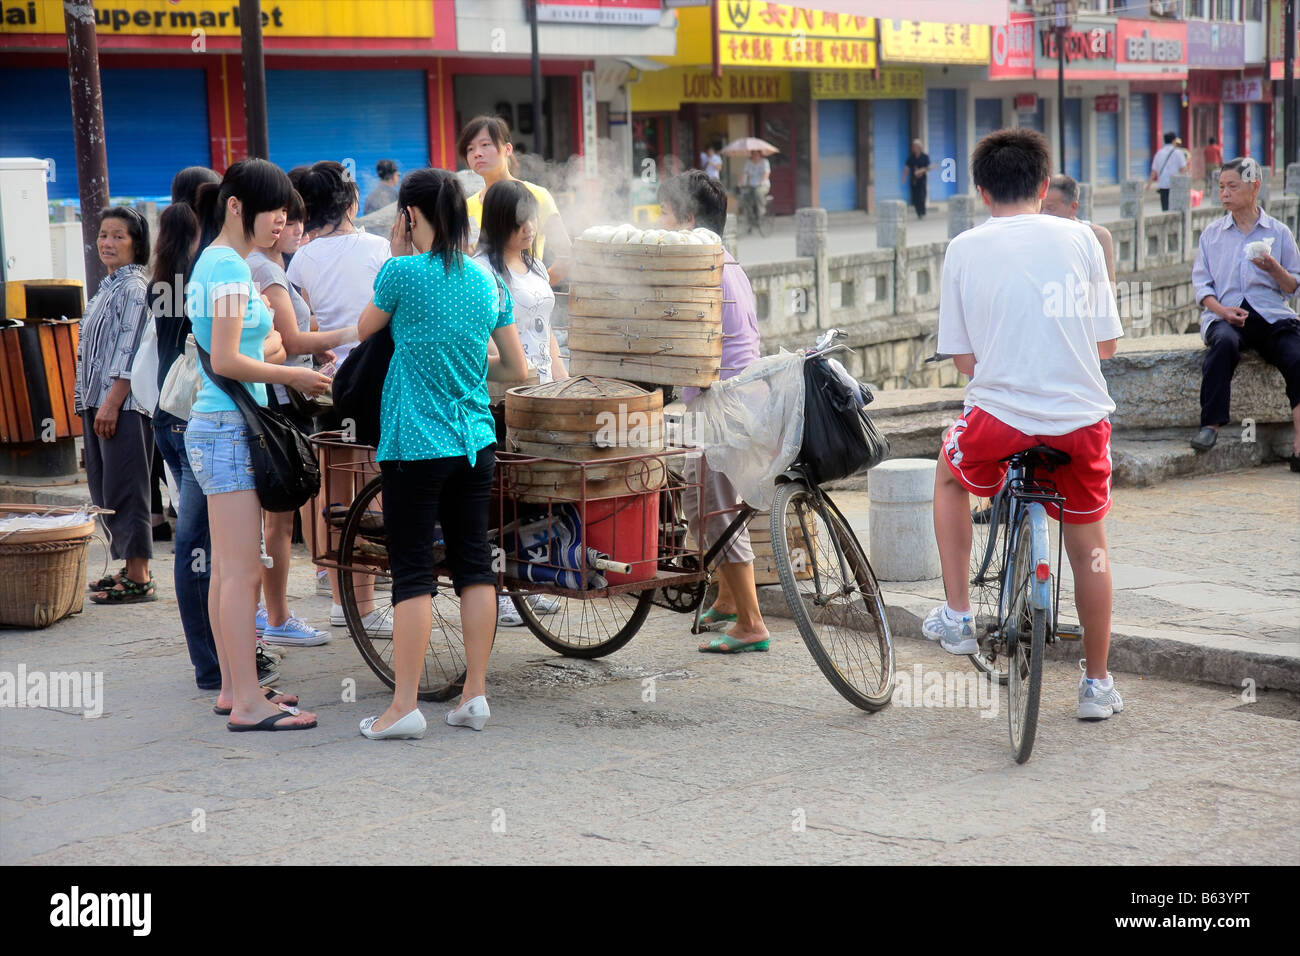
[[774, 34], [1216, 46], [1149, 46], [902, 83], [1249, 90], [1012, 45], [907, 41]]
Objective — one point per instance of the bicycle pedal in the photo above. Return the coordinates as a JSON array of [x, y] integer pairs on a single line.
[[1070, 632]]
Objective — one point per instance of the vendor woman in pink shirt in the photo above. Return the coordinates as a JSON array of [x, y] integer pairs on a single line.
[[689, 201]]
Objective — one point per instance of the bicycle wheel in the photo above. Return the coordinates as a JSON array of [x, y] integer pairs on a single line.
[[1025, 628], [833, 595], [363, 547], [988, 522], [585, 628]]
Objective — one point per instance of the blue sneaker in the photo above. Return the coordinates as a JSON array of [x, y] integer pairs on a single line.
[[259, 622], [295, 632], [955, 635]]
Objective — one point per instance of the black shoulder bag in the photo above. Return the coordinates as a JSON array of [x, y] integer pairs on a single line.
[[284, 469]]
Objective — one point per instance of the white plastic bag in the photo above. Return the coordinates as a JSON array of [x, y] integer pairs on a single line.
[[1259, 247], [750, 427], [144, 369], [181, 386]]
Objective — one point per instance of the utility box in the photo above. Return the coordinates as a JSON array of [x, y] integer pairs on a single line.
[[24, 220]]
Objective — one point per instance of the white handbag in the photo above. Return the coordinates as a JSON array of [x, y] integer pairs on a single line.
[[144, 369], [181, 385]]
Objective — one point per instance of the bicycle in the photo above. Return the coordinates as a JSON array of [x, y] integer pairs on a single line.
[[756, 218], [1015, 605]]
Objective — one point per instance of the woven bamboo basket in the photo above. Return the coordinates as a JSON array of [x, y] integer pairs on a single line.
[[42, 573], [648, 313]]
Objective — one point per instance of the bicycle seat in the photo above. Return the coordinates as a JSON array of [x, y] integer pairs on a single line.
[[1039, 457]]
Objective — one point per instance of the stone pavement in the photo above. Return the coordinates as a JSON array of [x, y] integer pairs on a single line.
[[752, 759], [1206, 573]]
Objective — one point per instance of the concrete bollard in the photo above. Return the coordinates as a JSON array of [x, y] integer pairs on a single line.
[[901, 543], [731, 236], [1132, 196], [890, 229], [1085, 202], [961, 214], [1264, 184]]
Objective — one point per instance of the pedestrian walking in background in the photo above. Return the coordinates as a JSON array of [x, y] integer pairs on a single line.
[[117, 432], [438, 441], [335, 273], [384, 194], [1213, 160], [231, 322], [485, 146], [276, 624], [915, 173], [711, 162], [1168, 162]]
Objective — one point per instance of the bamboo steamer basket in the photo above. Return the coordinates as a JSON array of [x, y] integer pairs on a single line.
[[650, 313], [42, 572], [583, 419], [760, 540]]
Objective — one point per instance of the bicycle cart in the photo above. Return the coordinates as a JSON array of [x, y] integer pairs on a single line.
[[585, 549]]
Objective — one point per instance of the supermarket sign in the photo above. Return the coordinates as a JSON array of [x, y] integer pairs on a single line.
[[280, 18], [1149, 46], [1012, 53]]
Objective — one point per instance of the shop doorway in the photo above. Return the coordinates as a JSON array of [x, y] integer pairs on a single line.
[[1205, 123]]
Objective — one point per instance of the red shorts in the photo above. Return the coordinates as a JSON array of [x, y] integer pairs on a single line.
[[975, 444]]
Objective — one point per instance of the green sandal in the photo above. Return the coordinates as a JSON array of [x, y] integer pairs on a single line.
[[726, 644], [127, 591], [108, 582], [712, 619]]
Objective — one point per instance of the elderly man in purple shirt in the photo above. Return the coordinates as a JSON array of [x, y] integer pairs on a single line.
[[1244, 289], [689, 200]]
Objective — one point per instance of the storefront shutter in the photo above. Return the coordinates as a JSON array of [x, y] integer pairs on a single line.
[[1258, 126], [1074, 138], [155, 123], [358, 115], [1107, 148], [1139, 135], [988, 117], [1231, 130], [941, 141], [1171, 115], [837, 140], [891, 141]]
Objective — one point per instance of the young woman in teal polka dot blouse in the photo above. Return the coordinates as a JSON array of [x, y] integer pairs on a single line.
[[437, 440]]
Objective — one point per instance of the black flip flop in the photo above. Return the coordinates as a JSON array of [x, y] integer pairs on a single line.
[[270, 693], [270, 723]]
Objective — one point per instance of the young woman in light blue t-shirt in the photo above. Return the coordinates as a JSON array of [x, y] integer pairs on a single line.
[[230, 320]]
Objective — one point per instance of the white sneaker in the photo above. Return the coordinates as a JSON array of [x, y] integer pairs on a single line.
[[544, 603], [336, 616], [294, 631], [375, 623], [507, 614], [956, 636], [473, 713], [323, 583], [1098, 699]]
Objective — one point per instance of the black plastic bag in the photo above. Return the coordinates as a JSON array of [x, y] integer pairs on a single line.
[[839, 439], [359, 385]]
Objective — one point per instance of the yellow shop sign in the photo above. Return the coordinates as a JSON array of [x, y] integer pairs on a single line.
[[774, 34], [668, 89], [904, 83], [280, 18], [907, 41]]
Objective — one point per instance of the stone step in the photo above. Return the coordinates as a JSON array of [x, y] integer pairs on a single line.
[[1139, 463]]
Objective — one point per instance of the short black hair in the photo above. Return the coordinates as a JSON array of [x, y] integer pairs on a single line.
[[1067, 186], [186, 183], [1011, 164], [1170, 137], [258, 184], [385, 169], [297, 209], [328, 192], [693, 193], [1213, 141], [495, 127], [137, 227]]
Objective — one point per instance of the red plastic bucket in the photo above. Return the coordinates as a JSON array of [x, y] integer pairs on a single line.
[[627, 529]]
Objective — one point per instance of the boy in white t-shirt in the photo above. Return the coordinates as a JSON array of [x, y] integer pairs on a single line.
[[1027, 311]]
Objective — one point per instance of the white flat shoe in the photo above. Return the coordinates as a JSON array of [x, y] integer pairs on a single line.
[[412, 727], [473, 713]]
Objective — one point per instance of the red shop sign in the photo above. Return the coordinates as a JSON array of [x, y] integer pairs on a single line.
[[1026, 102], [1107, 104]]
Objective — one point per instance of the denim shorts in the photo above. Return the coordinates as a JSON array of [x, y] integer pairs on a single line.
[[217, 446]]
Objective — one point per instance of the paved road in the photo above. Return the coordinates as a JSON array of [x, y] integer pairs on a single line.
[[746, 760]]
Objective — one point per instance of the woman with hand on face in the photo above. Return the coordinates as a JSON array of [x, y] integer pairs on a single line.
[[231, 321], [437, 446], [292, 317], [117, 432], [485, 145]]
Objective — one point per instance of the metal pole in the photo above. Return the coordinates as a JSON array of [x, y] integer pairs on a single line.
[[539, 126], [250, 39], [1288, 85], [1060, 92], [88, 130]]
